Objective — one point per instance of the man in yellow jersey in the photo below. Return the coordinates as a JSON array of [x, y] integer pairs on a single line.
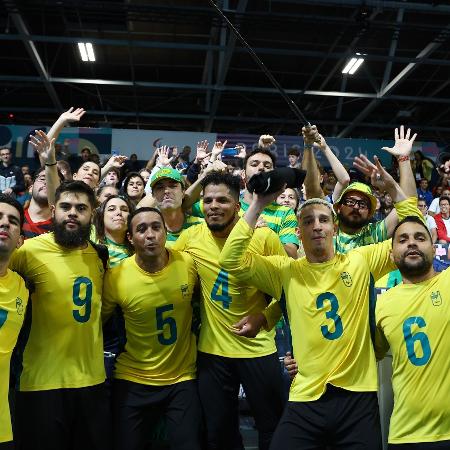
[[62, 402], [155, 375], [228, 308], [413, 320], [333, 397], [13, 302]]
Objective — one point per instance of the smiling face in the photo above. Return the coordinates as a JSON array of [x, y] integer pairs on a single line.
[[89, 172], [412, 249], [288, 198], [257, 163]]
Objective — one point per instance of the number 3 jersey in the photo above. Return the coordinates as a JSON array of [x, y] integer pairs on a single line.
[[328, 308], [13, 302], [225, 299], [64, 347], [160, 348], [414, 321]]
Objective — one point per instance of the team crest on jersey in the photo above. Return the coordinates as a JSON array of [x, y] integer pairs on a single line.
[[346, 279], [184, 290], [436, 298], [19, 306]]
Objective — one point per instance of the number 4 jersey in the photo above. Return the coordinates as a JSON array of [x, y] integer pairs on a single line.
[[160, 348], [64, 348], [414, 321]]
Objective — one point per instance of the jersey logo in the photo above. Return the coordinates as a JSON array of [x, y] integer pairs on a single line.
[[346, 279], [184, 290], [19, 306], [436, 298]]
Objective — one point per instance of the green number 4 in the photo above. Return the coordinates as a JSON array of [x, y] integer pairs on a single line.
[[221, 283]]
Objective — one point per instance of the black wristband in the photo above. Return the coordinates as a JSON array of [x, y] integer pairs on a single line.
[[48, 165]]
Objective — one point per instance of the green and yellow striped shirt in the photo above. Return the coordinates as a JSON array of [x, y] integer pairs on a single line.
[[189, 221], [372, 233], [117, 252]]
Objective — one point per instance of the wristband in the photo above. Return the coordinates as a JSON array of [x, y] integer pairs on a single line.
[[308, 146], [48, 165], [403, 158]]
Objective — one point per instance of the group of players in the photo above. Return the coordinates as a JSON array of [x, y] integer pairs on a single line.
[[243, 278]]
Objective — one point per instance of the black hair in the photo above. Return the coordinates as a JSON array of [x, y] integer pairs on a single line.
[[130, 175], [444, 197], [230, 181], [77, 187], [142, 210], [264, 151], [411, 219], [10, 200], [293, 151], [99, 220]]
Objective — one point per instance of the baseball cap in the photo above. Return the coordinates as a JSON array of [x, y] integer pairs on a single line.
[[167, 172], [362, 188]]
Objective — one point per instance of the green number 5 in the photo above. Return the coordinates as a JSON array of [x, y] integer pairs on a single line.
[[161, 322]]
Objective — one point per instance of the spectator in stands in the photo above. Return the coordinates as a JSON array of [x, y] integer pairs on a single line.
[[443, 220], [85, 154], [387, 205], [423, 192], [111, 228], [434, 209], [290, 198], [65, 170], [112, 177], [133, 187], [294, 158], [38, 217], [25, 169], [429, 220], [104, 192], [132, 164], [423, 166], [145, 174], [11, 176]]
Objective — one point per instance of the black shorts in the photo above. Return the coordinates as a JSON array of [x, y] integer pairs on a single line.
[[63, 419], [340, 419], [439, 445], [137, 408], [219, 379]]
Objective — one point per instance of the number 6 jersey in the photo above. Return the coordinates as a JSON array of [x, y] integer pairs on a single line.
[[64, 348], [414, 321]]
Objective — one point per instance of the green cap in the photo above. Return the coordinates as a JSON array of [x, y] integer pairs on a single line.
[[167, 172], [361, 188]]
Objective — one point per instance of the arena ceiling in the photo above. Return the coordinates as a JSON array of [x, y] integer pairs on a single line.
[[174, 64]]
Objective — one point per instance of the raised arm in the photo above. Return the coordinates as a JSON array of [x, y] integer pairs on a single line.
[[116, 161], [45, 148], [309, 163], [342, 176]]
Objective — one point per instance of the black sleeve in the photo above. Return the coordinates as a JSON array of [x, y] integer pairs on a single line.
[[193, 172], [20, 182]]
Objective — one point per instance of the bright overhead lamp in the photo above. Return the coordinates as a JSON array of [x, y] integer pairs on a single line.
[[86, 51], [353, 65]]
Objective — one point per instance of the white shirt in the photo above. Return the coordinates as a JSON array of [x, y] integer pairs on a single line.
[[431, 223], [434, 207]]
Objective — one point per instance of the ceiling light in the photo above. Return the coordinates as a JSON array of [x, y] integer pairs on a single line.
[[86, 51], [353, 65]]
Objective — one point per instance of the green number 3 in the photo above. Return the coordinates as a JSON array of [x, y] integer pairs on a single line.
[[331, 314]]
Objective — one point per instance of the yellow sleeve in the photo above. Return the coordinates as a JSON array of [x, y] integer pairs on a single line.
[[263, 272], [181, 243], [407, 208], [108, 301], [381, 345], [17, 263], [272, 313], [378, 258]]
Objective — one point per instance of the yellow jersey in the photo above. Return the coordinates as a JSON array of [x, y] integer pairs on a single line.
[[13, 303], [225, 299], [414, 321], [65, 343], [160, 348], [328, 309]]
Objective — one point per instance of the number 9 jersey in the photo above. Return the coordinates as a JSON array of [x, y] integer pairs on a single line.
[[64, 348]]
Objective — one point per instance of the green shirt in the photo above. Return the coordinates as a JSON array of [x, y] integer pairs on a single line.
[[117, 252], [189, 221], [372, 233]]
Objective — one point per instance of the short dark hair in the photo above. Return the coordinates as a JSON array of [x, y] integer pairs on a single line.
[[10, 200], [264, 151], [411, 219], [77, 187], [293, 151], [444, 197], [232, 182], [142, 210]]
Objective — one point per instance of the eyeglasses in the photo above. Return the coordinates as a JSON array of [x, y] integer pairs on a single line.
[[362, 204]]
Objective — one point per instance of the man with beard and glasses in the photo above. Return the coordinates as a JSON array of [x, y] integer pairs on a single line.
[[413, 320], [231, 310], [61, 401], [332, 400], [38, 216], [13, 302]]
